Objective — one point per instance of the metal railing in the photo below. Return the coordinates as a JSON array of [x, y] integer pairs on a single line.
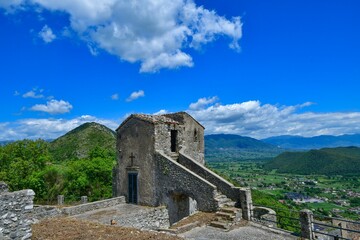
[[310, 225], [337, 230]]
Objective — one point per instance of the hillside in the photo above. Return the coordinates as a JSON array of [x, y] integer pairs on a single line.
[[297, 142], [228, 147], [341, 160], [80, 141]]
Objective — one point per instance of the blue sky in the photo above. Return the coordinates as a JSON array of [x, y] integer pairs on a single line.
[[255, 68]]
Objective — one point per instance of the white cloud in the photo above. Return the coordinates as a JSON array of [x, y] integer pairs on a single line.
[[35, 93], [203, 102], [115, 96], [155, 33], [47, 35], [258, 120], [162, 111], [47, 128], [53, 107], [135, 95]]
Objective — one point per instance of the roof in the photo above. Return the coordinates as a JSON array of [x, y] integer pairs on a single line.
[[154, 119]]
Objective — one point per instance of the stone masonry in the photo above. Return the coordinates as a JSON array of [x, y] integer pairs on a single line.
[[160, 162], [15, 213]]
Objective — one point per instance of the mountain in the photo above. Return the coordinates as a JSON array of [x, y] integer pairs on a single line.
[[328, 161], [297, 142], [227, 147], [80, 141]]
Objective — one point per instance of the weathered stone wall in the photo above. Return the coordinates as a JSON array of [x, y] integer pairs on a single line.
[[151, 218], [74, 210], [163, 137], [135, 137], [191, 138], [15, 214], [173, 178], [222, 185], [43, 211]]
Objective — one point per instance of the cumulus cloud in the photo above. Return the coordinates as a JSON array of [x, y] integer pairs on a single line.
[[35, 93], [202, 102], [258, 120], [115, 96], [47, 128], [135, 95], [47, 35], [155, 33], [53, 107]]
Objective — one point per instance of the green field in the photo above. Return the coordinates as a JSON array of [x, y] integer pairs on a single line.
[[276, 185]]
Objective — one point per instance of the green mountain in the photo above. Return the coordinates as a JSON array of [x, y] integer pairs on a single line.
[[341, 160], [79, 142], [229, 147], [323, 141]]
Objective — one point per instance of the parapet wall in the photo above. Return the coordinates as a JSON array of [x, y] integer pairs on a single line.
[[41, 212], [15, 214], [173, 177], [222, 185]]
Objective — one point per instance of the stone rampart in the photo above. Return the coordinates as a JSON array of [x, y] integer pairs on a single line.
[[15, 214]]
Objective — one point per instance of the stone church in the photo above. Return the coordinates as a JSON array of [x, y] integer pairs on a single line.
[[160, 161]]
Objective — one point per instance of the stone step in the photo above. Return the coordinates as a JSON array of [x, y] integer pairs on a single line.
[[232, 210], [218, 224], [226, 216]]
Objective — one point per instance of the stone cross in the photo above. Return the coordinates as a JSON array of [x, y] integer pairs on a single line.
[[132, 159]]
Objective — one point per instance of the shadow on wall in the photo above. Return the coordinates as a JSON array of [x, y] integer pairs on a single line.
[[180, 206]]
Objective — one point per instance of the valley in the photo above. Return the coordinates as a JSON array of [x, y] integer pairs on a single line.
[[326, 195]]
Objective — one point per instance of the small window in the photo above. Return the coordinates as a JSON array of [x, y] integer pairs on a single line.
[[195, 135]]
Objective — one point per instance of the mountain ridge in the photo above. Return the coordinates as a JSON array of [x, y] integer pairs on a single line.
[[316, 142]]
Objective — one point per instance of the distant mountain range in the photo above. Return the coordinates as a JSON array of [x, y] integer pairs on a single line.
[[80, 141], [328, 161], [218, 147], [228, 147], [297, 142]]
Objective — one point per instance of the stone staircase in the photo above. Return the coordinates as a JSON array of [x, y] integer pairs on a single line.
[[226, 218], [223, 200], [227, 215]]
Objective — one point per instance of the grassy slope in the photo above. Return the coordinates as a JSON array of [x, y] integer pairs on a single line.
[[80, 141], [342, 160]]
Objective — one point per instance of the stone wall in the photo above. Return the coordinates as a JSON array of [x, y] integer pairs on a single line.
[[151, 219], [43, 211], [74, 210], [135, 137], [15, 214], [191, 137], [173, 178], [222, 185]]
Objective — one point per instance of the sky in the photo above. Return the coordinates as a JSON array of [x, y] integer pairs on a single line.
[[256, 68]]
